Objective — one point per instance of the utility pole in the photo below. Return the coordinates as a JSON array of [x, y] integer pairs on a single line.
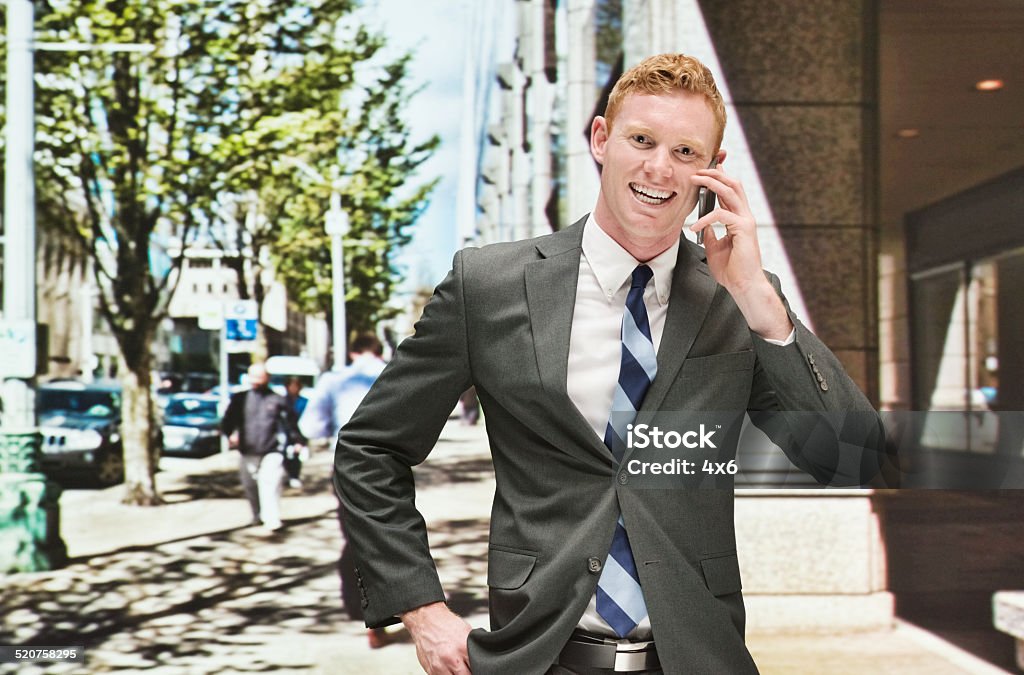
[[30, 522], [20, 215]]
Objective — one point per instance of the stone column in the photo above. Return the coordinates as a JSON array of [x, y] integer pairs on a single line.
[[803, 83]]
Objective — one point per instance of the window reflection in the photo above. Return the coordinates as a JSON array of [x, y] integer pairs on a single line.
[[967, 322]]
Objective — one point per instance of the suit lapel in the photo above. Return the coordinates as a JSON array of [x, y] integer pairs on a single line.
[[551, 297], [693, 290]]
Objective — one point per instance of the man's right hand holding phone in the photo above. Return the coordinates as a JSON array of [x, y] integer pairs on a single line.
[[734, 259]]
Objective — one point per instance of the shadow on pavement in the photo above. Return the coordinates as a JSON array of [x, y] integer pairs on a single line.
[[435, 472], [228, 600], [182, 601]]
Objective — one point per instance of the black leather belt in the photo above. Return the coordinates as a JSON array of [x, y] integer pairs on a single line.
[[617, 657]]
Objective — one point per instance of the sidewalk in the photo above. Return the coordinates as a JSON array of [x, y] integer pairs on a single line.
[[188, 588]]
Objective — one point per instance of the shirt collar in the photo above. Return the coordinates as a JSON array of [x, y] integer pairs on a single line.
[[613, 265]]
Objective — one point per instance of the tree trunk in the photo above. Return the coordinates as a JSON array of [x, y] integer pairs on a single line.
[[138, 435]]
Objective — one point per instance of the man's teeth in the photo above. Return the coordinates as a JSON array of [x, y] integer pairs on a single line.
[[649, 195]]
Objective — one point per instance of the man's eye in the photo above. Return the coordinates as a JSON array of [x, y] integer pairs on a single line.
[[685, 151], [641, 139]]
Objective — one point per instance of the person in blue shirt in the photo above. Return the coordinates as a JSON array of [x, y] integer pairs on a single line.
[[295, 454], [335, 397]]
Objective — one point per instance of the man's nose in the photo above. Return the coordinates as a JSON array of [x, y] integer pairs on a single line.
[[659, 163]]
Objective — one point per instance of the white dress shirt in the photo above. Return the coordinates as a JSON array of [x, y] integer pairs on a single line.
[[595, 345]]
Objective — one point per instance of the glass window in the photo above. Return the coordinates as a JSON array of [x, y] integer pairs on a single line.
[[967, 320]]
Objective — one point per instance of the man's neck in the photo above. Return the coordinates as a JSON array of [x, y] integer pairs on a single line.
[[643, 250]]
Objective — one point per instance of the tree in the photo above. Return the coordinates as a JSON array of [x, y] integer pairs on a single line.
[[139, 150], [376, 161]]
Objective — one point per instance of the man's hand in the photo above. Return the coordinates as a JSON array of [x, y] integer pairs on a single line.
[[735, 259], [440, 638]]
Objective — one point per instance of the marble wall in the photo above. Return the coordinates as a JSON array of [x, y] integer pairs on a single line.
[[802, 78]]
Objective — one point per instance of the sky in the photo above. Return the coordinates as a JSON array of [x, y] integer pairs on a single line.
[[435, 30]]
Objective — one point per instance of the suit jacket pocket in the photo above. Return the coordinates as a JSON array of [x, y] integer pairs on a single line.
[[719, 363], [508, 570], [722, 574]]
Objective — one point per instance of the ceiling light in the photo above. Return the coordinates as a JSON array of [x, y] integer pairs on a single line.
[[908, 133], [988, 85]]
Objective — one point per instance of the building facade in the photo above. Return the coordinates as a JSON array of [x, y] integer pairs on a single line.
[[886, 178]]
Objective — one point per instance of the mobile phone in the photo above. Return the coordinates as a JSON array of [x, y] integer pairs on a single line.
[[705, 202]]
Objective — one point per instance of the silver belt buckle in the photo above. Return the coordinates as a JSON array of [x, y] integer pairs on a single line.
[[631, 657]]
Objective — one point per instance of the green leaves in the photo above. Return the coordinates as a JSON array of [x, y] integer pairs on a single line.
[[144, 149]]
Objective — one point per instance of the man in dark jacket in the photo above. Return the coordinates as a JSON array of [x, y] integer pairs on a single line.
[[265, 425]]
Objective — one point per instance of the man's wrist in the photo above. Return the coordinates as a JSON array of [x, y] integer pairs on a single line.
[[764, 312], [419, 615]]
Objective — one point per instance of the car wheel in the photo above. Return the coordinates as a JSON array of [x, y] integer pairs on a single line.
[[110, 468]]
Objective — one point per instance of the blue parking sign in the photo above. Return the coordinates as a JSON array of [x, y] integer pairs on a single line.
[[240, 329]]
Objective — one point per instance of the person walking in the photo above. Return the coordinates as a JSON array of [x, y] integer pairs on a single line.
[[263, 425], [335, 397], [295, 454]]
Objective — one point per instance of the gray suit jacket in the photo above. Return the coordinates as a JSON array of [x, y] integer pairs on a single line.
[[501, 321]]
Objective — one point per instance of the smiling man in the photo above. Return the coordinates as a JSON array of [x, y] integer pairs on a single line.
[[615, 314]]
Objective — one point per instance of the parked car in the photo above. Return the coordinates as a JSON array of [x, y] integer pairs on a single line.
[[81, 428], [168, 383], [191, 424]]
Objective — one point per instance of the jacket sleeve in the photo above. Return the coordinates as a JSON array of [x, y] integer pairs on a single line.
[[232, 419], [394, 428], [807, 404]]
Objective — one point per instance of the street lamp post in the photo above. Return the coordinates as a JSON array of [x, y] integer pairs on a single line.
[[29, 509], [336, 225]]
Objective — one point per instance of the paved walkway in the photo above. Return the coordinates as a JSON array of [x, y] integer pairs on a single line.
[[189, 588]]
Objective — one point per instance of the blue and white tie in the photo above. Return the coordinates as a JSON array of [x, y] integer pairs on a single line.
[[620, 601]]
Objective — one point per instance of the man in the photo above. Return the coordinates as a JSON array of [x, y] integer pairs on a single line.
[[616, 313], [265, 425], [337, 394], [334, 399]]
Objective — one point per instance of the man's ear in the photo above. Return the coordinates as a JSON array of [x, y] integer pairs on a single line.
[[598, 138]]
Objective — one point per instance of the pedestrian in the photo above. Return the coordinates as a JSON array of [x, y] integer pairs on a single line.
[[264, 425], [618, 312], [334, 399], [296, 453]]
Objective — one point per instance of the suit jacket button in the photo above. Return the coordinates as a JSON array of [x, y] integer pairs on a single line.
[[824, 386], [623, 478], [594, 565]]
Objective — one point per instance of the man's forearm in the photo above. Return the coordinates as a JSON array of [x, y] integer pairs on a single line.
[[764, 312]]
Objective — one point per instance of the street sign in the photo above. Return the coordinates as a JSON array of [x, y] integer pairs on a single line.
[[240, 317], [18, 348], [240, 330]]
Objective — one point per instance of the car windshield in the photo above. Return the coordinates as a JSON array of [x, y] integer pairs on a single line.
[[193, 407], [102, 404]]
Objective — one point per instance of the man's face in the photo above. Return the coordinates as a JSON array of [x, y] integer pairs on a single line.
[[258, 377], [648, 155]]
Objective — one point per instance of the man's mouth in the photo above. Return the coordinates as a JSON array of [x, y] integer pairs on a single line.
[[649, 195]]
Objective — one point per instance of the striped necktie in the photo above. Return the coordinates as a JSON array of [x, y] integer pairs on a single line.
[[620, 601]]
